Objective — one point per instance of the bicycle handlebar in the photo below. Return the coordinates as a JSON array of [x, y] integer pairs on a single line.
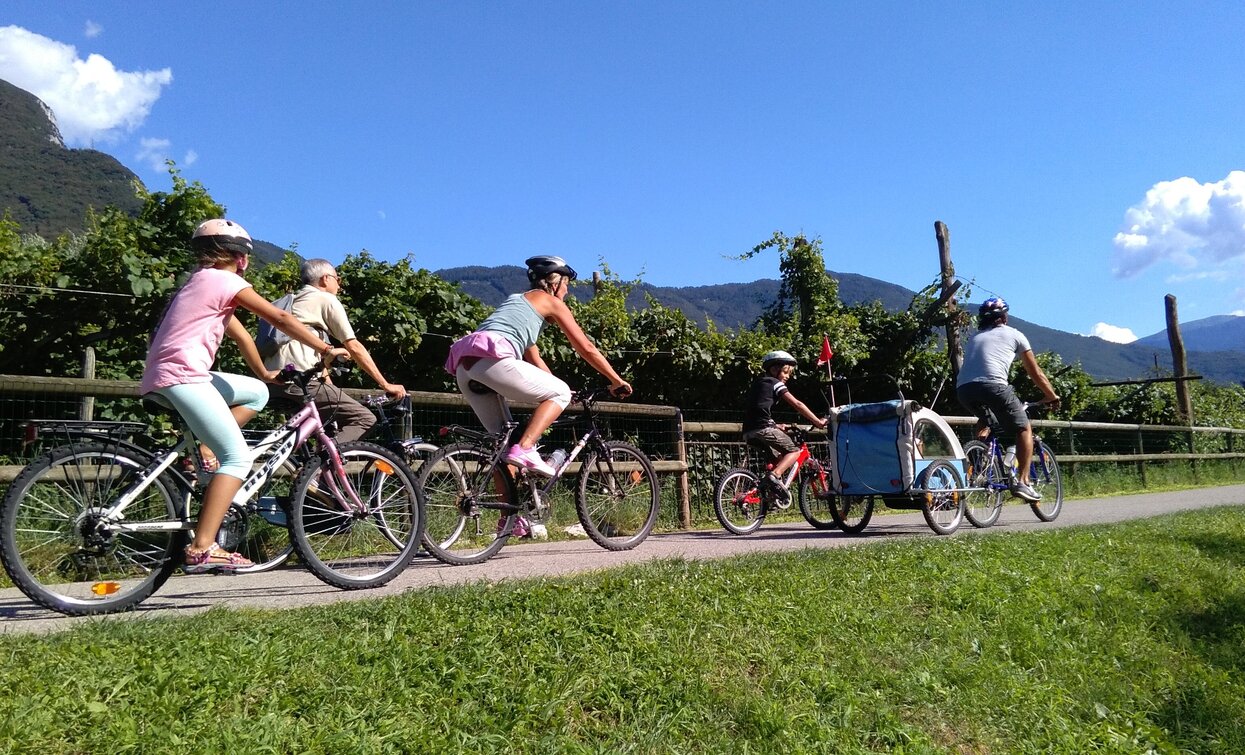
[[291, 374], [590, 396]]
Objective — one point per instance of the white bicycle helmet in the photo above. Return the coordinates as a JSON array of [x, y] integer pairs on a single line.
[[219, 233], [774, 358]]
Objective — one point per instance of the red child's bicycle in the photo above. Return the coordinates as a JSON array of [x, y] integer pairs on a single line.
[[742, 499]]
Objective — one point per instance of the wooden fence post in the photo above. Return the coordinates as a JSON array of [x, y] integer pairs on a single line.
[[87, 412], [1180, 364], [955, 352], [684, 477]]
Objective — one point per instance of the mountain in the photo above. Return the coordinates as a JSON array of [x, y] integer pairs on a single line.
[[46, 187], [728, 305], [1218, 333], [1215, 346]]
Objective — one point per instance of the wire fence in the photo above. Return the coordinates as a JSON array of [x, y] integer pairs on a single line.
[[690, 453]]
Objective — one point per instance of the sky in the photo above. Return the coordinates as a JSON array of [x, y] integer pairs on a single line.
[[1086, 157]]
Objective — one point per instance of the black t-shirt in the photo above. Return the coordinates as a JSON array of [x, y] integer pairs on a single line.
[[764, 392]]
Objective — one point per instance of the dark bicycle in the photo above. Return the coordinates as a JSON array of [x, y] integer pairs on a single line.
[[474, 505], [991, 476]]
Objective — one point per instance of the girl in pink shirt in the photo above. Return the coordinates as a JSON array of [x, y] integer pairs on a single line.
[[215, 405]]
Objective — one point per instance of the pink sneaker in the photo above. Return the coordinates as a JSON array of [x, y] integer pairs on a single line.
[[521, 528], [528, 458]]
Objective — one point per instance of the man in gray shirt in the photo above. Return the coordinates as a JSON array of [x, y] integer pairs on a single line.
[[982, 384]]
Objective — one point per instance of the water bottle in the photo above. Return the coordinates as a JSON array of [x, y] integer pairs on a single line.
[[1009, 461], [556, 458]]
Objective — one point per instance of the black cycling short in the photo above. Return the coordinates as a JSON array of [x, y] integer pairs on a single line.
[[998, 398]]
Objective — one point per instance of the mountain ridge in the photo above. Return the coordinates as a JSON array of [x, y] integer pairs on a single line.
[[734, 305], [46, 188]]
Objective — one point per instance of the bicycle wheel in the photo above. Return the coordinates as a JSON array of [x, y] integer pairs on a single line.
[[816, 500], [57, 549], [350, 542], [941, 502], [737, 502], [260, 529], [1045, 477], [982, 507], [618, 495], [851, 512], [416, 453], [467, 521]]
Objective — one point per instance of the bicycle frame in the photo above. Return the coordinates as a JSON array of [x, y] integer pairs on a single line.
[[501, 442], [278, 445]]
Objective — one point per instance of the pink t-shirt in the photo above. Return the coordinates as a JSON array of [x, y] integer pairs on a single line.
[[184, 346]]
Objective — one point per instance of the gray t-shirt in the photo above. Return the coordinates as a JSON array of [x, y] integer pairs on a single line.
[[990, 353]]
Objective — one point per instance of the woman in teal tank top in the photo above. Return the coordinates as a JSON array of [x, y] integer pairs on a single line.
[[502, 355]]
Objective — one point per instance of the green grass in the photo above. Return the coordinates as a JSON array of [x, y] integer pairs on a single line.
[[1092, 480], [1122, 638]]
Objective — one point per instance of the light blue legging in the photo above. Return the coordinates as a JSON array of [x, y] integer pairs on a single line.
[[205, 408]]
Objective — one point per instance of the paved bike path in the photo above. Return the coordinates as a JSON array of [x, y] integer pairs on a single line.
[[288, 588]]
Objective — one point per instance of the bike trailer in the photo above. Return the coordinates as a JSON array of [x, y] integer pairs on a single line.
[[882, 448]]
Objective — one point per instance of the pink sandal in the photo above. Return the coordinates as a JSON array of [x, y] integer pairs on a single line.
[[214, 558]]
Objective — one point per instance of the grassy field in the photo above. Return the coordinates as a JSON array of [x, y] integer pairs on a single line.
[[1122, 638]]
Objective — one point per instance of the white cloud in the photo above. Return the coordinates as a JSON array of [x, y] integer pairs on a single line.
[[191, 157], [1184, 222], [1211, 275], [153, 153], [92, 100], [1113, 333], [92, 30], [381, 214]]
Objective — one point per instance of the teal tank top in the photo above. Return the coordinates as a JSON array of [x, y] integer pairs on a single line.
[[517, 321]]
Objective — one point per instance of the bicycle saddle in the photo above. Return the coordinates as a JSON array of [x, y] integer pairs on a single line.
[[154, 403], [478, 387]]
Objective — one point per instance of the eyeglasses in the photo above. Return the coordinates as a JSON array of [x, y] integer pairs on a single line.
[[334, 276]]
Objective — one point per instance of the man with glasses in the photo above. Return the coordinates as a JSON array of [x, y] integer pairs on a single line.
[[316, 305]]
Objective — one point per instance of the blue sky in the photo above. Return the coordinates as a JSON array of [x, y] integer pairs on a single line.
[[1082, 154]]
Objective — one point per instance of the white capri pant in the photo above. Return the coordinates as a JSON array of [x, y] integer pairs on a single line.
[[514, 379]]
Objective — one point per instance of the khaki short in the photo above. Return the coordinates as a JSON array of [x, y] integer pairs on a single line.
[[772, 439]]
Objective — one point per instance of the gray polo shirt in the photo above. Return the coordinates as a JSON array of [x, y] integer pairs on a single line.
[[989, 355]]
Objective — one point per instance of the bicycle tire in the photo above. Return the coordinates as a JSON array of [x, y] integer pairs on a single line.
[[982, 508], [737, 502], [355, 549], [458, 530], [816, 500], [941, 505], [1045, 477], [618, 496], [48, 550], [852, 512]]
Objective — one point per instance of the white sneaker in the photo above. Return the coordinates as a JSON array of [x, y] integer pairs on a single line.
[[528, 458], [1025, 491]]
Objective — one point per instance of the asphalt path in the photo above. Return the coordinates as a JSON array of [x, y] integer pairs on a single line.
[[290, 588]]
